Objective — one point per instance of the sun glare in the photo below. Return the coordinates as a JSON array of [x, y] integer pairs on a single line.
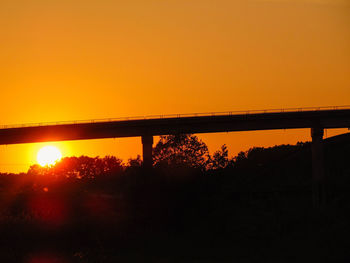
[[48, 155]]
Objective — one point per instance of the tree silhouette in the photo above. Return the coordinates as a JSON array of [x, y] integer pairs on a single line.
[[220, 159], [181, 150], [36, 169], [137, 162], [111, 164], [80, 167]]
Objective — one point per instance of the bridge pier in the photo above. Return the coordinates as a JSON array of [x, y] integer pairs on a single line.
[[147, 143], [318, 176]]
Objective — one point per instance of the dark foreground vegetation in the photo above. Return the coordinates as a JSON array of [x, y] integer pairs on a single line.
[[191, 207]]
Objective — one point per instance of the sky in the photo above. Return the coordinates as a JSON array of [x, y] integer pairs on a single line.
[[66, 60]]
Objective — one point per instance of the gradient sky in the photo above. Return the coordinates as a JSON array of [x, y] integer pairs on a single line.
[[74, 59]]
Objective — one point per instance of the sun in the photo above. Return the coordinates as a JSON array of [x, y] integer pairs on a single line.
[[48, 155]]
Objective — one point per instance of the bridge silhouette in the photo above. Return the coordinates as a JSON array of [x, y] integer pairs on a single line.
[[317, 119]]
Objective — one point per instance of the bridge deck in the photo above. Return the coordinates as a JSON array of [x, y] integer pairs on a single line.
[[292, 118]]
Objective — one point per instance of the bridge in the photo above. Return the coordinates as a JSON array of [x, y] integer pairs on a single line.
[[316, 119]]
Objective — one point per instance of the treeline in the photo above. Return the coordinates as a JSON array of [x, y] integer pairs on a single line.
[[183, 157], [192, 206], [171, 152]]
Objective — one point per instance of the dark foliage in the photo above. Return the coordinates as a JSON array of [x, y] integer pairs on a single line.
[[255, 207], [80, 167], [181, 150]]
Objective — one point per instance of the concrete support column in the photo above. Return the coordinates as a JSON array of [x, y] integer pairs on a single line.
[[318, 176], [147, 143]]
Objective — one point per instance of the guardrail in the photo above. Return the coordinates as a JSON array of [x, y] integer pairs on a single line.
[[202, 114]]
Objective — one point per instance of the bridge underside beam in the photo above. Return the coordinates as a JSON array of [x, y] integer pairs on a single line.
[[318, 175], [147, 143], [165, 126]]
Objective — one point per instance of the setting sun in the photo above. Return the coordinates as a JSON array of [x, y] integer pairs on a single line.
[[48, 155]]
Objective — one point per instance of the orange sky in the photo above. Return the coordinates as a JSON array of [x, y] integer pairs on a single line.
[[75, 59]]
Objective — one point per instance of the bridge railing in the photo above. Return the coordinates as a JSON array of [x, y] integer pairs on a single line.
[[200, 114]]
